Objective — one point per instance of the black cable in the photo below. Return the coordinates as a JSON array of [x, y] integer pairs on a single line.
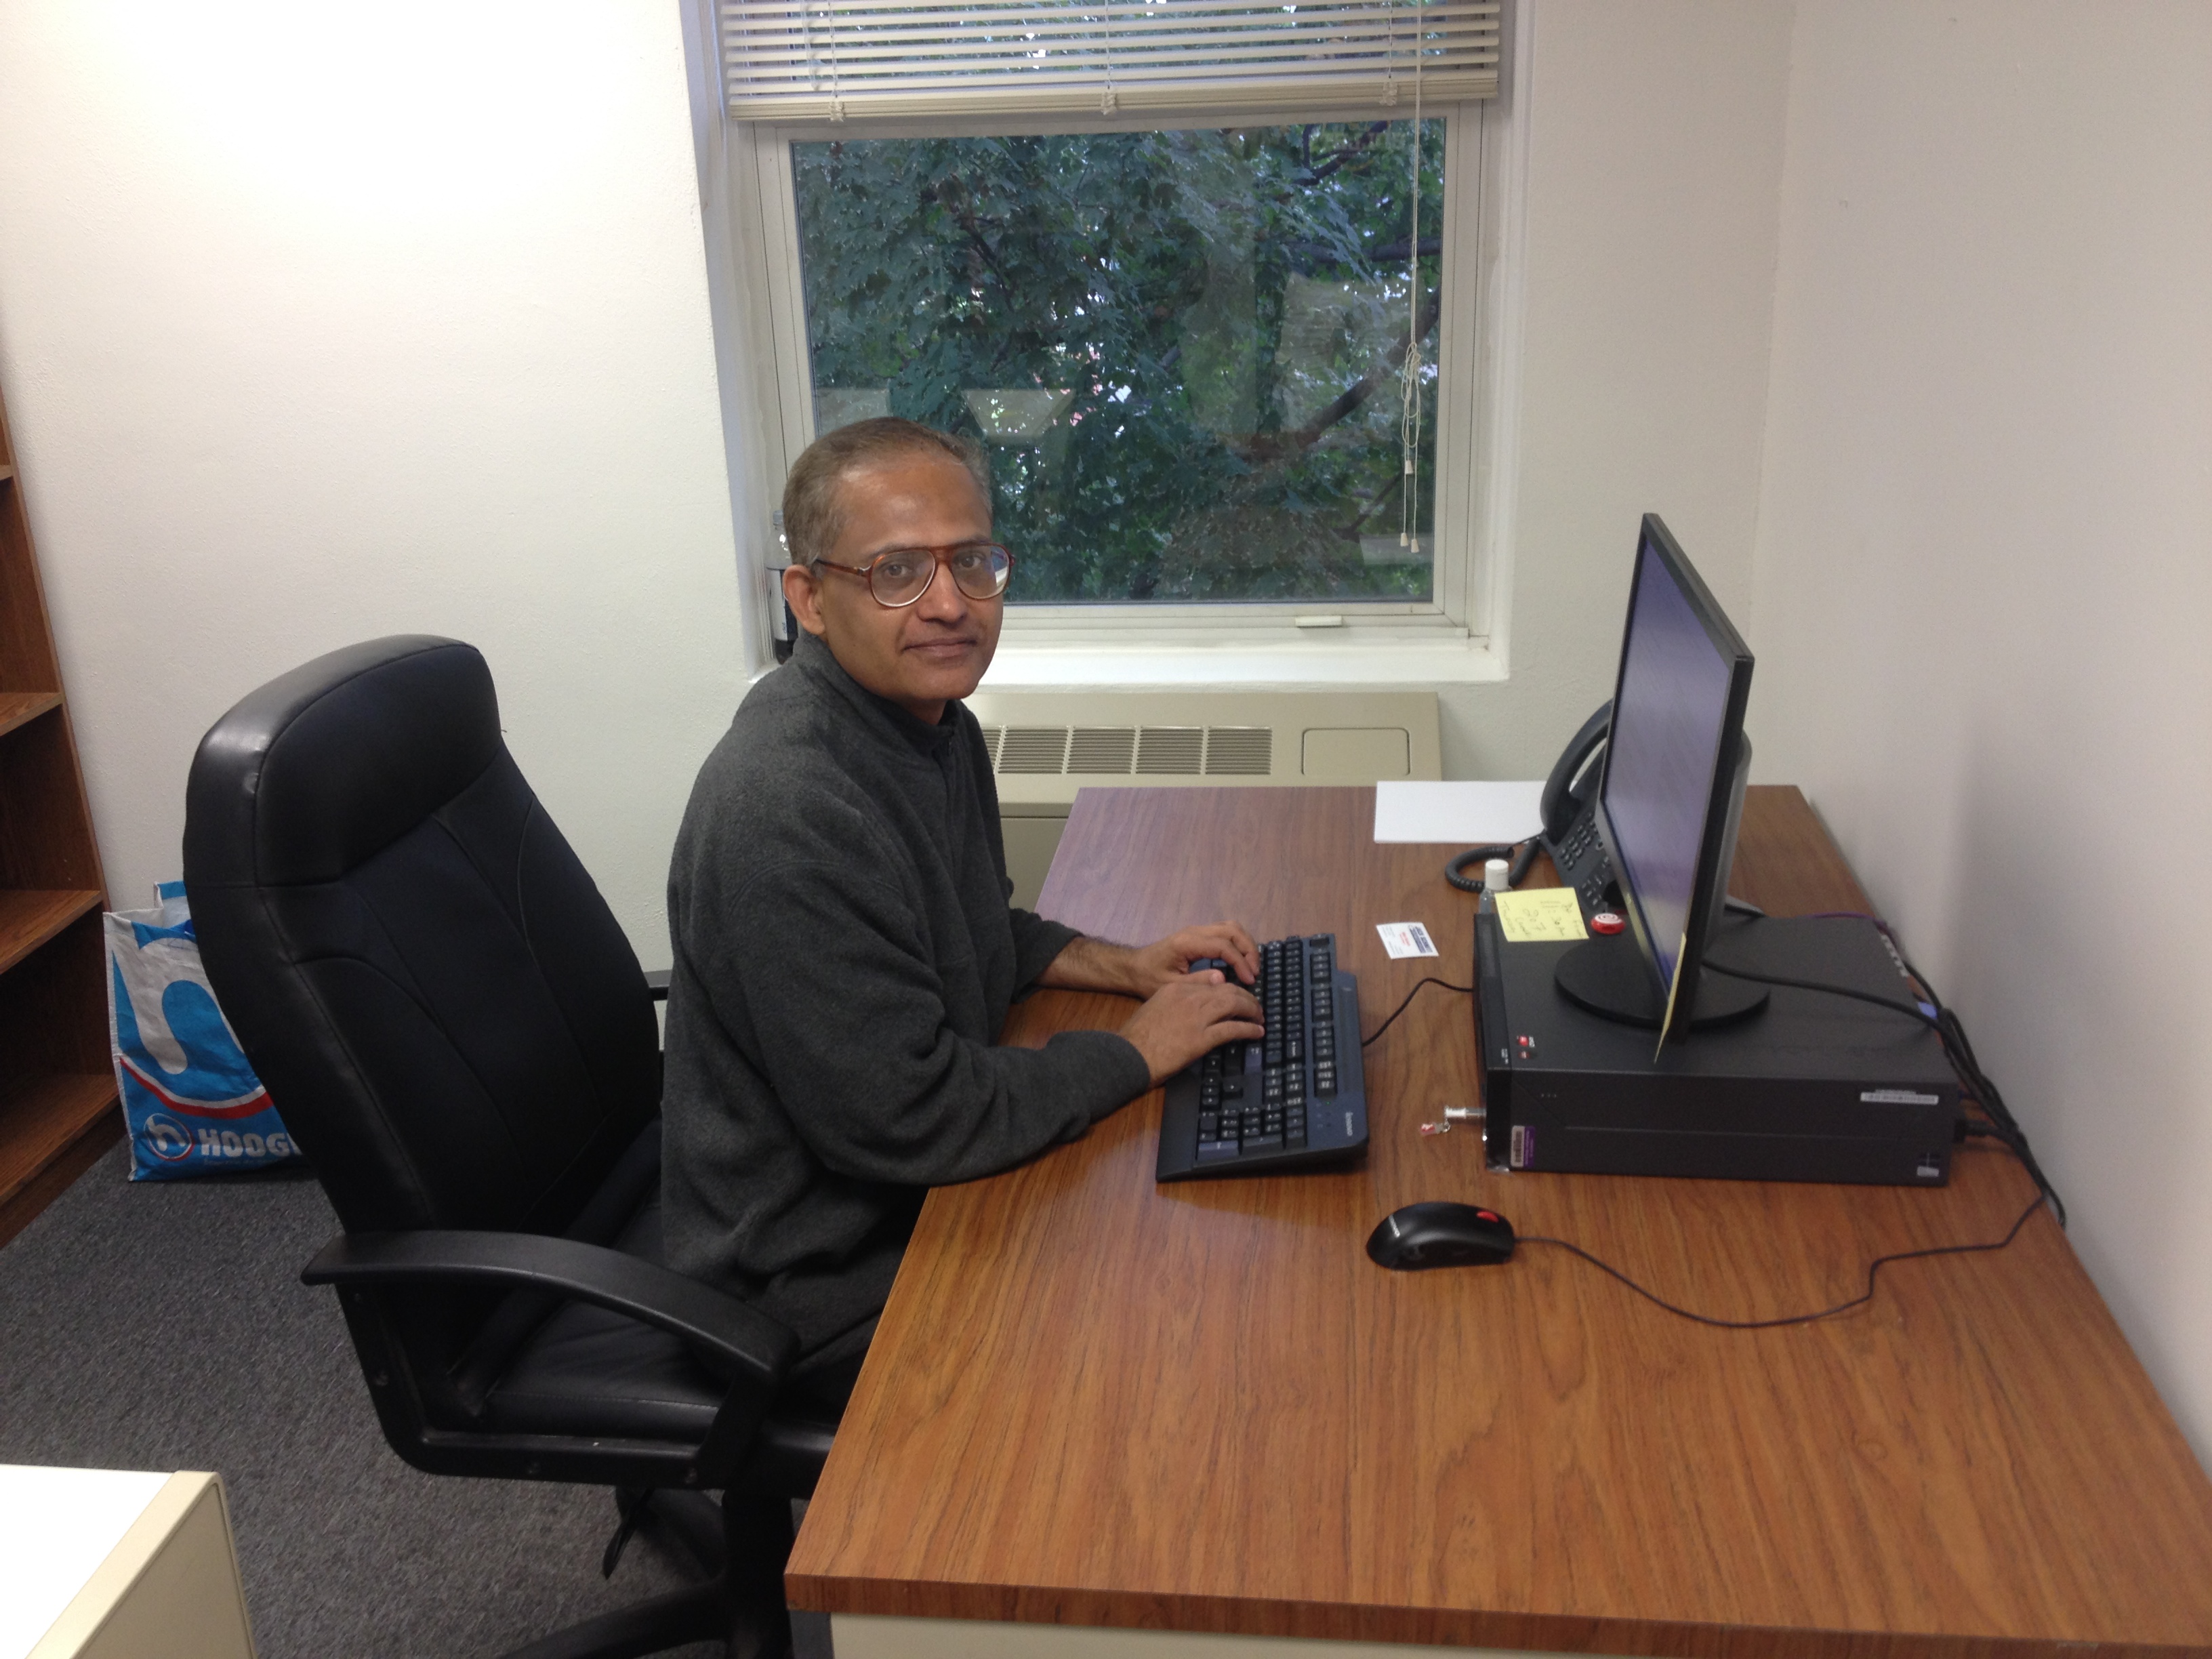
[[1873, 1268], [1429, 980], [1512, 849], [1958, 1049], [1523, 858], [1920, 1014]]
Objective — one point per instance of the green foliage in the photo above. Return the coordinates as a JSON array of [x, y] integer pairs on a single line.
[[1227, 309]]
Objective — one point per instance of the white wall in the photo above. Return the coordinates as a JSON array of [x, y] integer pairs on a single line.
[[1982, 591], [1655, 131], [318, 323], [313, 329]]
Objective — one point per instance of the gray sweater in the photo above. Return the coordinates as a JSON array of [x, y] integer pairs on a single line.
[[845, 956]]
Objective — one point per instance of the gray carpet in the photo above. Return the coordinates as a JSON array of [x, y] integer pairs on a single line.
[[162, 1326]]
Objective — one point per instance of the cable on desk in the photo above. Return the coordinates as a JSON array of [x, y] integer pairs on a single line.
[[1866, 1296], [1465, 990], [1522, 852], [1958, 1049]]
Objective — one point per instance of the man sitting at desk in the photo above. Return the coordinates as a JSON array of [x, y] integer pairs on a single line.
[[845, 949]]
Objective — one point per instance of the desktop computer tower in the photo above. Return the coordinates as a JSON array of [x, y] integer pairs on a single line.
[[1815, 1086]]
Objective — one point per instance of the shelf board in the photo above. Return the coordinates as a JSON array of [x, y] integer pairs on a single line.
[[29, 916], [16, 706], [42, 1119], [7, 472]]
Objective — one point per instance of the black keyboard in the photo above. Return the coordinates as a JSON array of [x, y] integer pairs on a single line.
[[1297, 1099]]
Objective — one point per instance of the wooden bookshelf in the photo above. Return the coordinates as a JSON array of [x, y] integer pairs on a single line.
[[29, 916], [16, 706], [58, 1105]]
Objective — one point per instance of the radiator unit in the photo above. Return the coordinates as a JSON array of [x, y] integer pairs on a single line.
[[1045, 745]]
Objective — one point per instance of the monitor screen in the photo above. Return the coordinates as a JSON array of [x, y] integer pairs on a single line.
[[1677, 713]]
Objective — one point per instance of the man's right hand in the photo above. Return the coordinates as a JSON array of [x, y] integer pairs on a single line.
[[1187, 1017]]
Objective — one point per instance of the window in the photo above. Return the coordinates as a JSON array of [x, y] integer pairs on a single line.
[[1088, 237]]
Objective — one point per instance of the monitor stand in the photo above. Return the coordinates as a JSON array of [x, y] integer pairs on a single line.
[[1608, 976]]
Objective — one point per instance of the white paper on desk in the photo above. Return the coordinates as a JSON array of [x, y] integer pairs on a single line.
[[1457, 814]]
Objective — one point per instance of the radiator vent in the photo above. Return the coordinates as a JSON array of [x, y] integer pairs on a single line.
[[1102, 748], [1240, 751], [1171, 751], [1213, 751], [1028, 748]]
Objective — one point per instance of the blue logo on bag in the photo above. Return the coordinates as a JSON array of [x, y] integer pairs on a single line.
[[166, 1137]]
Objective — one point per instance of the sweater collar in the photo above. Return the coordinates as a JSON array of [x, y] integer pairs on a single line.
[[814, 660]]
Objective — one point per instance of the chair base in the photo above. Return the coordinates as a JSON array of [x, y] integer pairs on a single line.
[[741, 1607], [681, 1617]]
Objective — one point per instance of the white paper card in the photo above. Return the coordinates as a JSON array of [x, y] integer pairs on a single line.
[[1405, 938], [1457, 814]]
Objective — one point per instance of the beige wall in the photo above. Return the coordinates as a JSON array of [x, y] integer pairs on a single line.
[[1982, 593], [314, 331], [316, 325], [1655, 131]]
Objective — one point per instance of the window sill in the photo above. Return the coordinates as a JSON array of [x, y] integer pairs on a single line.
[[1311, 662]]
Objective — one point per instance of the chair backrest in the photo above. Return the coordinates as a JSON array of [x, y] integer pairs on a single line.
[[439, 1001]]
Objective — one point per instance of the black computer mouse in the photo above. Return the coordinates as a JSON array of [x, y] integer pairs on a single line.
[[1440, 1234]]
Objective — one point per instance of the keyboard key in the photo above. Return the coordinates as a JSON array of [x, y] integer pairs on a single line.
[[1214, 1149], [1267, 1143]]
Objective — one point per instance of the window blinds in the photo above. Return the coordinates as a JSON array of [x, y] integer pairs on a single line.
[[837, 60]]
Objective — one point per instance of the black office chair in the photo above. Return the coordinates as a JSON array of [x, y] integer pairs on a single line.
[[459, 1037]]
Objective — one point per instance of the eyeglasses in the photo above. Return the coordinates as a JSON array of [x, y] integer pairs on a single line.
[[899, 578]]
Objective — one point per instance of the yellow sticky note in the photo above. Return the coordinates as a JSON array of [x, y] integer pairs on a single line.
[[1540, 913]]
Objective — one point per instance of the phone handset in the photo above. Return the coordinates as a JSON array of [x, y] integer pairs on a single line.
[[1571, 793], [1568, 809]]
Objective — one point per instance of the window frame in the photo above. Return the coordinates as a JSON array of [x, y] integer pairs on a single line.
[[1458, 637]]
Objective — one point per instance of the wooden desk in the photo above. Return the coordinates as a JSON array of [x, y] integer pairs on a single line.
[[1096, 1401]]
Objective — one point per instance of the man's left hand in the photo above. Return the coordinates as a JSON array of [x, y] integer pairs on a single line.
[[1090, 964]]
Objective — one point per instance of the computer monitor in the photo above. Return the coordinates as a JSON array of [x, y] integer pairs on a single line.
[[1672, 793]]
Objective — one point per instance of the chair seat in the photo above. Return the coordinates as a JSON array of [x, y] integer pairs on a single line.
[[587, 1371]]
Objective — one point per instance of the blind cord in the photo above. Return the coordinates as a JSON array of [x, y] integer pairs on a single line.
[[1409, 392]]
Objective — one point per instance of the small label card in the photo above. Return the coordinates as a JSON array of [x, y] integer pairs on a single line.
[[1539, 913], [1405, 938]]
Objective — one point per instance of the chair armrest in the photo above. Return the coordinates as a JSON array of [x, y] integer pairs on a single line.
[[758, 1349], [656, 983]]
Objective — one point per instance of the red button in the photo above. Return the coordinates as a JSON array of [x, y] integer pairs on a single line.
[[1485, 1215], [1605, 923]]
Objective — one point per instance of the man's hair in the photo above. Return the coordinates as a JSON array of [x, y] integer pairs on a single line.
[[814, 495]]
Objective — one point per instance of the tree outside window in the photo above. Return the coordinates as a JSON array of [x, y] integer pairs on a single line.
[[1185, 350]]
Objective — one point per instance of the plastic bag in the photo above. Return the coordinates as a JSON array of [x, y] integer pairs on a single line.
[[189, 1101]]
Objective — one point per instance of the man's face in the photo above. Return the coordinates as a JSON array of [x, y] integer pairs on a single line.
[[937, 648]]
